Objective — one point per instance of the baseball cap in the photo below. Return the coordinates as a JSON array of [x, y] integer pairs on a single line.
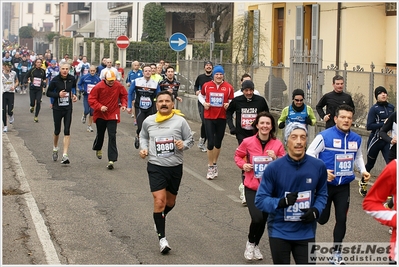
[[7, 63], [53, 61], [117, 62], [110, 76], [208, 62]]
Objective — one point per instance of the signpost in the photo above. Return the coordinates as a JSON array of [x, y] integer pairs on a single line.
[[122, 42], [178, 42]]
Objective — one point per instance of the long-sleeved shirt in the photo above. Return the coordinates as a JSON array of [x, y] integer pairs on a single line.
[[373, 203], [331, 101], [340, 151], [59, 84], [308, 177], [158, 139]]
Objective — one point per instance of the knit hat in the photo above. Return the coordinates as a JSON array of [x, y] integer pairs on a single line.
[[53, 61], [247, 84], [208, 62], [293, 126], [218, 69], [379, 90], [298, 92]]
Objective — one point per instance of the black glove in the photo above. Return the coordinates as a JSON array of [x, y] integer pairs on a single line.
[[233, 131], [289, 200], [308, 121], [281, 125], [310, 215]]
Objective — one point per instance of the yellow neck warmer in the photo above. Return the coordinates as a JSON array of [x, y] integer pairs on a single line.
[[161, 118]]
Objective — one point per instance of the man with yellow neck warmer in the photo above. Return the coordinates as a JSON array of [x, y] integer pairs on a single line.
[[163, 138]]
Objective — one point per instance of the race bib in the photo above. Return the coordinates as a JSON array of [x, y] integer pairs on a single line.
[[37, 82], [24, 68], [216, 99], [247, 120], [165, 146], [293, 213], [260, 163], [63, 101], [90, 87], [16, 65], [343, 165], [145, 102], [85, 71]]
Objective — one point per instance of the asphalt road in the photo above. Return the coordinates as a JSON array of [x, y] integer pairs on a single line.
[[85, 214]]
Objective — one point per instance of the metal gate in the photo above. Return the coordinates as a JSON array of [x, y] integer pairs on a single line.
[[306, 73]]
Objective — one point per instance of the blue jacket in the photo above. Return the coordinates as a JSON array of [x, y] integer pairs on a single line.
[[377, 115], [88, 80], [286, 175], [340, 151], [134, 75]]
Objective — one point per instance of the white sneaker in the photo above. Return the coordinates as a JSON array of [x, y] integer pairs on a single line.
[[164, 245], [210, 174], [249, 251], [11, 119], [89, 129], [201, 145], [241, 190], [215, 171], [83, 119], [257, 254], [5, 129]]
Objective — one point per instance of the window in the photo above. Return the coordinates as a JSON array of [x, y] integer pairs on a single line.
[[30, 8], [307, 28], [390, 9], [48, 8]]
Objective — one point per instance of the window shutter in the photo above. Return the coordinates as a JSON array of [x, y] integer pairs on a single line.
[[299, 29], [315, 28]]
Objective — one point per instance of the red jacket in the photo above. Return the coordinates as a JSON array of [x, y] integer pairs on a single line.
[[217, 96], [373, 203], [109, 96], [250, 147]]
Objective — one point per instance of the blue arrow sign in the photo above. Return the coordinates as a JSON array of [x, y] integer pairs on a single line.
[[178, 41]]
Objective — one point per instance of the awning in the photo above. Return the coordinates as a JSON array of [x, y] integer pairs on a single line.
[[89, 27], [72, 28]]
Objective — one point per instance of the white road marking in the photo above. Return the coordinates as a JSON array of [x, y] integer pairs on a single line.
[[41, 229]]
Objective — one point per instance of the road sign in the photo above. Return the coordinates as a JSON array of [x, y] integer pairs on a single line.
[[178, 41], [122, 42]]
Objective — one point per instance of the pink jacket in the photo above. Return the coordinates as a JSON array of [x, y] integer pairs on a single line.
[[251, 146]]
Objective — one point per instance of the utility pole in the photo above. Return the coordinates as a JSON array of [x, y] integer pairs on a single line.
[[212, 41]]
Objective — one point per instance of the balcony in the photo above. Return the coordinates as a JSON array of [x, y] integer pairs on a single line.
[[78, 8], [120, 7]]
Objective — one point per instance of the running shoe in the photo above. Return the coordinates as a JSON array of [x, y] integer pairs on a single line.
[[164, 245], [336, 258], [36, 119], [210, 174], [89, 129], [215, 171], [390, 230], [110, 165], [31, 109], [65, 159], [5, 129], [257, 254], [136, 142], [201, 145], [55, 154], [362, 187], [83, 119], [99, 154], [249, 251], [11, 119]]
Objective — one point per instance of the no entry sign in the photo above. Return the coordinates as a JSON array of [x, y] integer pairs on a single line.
[[122, 42]]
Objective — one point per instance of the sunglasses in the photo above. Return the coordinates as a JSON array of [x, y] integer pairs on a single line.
[[298, 100]]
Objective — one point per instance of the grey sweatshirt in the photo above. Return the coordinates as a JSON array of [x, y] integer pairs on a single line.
[[158, 139]]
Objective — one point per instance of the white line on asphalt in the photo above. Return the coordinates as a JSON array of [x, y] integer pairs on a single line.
[[202, 179], [40, 226]]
